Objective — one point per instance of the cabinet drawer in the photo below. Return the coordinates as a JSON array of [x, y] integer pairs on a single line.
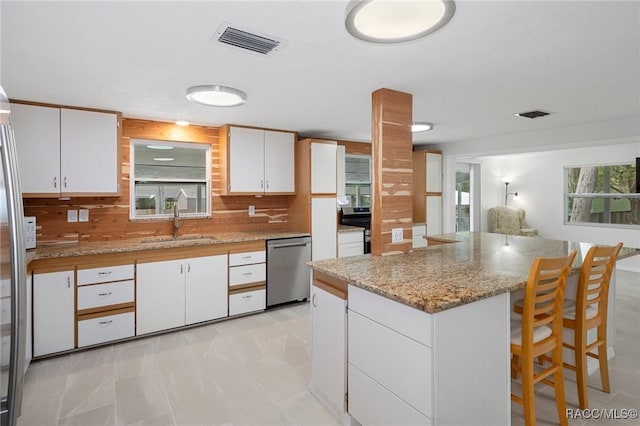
[[239, 275], [248, 301], [404, 319], [350, 249], [247, 258], [104, 329], [105, 274], [350, 237], [372, 404], [93, 296]]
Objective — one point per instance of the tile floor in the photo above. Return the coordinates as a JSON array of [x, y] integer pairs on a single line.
[[253, 371]]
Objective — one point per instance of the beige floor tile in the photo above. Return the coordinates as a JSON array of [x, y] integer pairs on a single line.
[[101, 416], [140, 398]]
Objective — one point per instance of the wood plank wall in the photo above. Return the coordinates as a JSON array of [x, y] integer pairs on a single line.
[[109, 216]]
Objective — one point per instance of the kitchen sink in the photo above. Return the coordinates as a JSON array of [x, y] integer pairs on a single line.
[[168, 239]]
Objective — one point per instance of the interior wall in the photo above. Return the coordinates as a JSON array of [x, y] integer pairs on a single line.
[[539, 180]]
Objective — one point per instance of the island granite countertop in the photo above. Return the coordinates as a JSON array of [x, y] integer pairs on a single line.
[[152, 242], [472, 267]]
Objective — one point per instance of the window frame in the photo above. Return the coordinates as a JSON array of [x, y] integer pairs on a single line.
[[132, 180], [605, 195], [357, 184]]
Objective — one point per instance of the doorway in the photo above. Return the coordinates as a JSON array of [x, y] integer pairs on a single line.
[[467, 197]]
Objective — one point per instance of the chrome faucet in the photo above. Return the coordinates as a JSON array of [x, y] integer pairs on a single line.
[[176, 220]]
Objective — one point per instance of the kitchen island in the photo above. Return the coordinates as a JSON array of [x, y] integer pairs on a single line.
[[427, 332]]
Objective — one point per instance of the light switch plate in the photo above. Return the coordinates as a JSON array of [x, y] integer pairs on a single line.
[[396, 235], [72, 215], [252, 210], [83, 215]]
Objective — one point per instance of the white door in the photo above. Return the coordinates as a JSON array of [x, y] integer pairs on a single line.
[[328, 347], [323, 168], [324, 228], [279, 161], [434, 214], [246, 160], [37, 134], [53, 312], [206, 288], [89, 152], [160, 295]]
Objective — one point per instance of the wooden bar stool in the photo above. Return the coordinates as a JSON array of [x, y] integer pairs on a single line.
[[540, 332], [590, 311]]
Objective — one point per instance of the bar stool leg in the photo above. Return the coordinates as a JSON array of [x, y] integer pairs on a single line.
[[558, 386], [580, 353], [602, 358], [528, 391]]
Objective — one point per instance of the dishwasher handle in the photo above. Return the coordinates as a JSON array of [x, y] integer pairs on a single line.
[[288, 245]]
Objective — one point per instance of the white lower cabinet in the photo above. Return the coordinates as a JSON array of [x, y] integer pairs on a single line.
[[106, 328], [350, 243], [247, 301], [53, 312], [419, 231], [172, 293], [328, 349]]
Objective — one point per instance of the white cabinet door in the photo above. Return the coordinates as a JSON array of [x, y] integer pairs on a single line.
[[206, 288], [434, 172], [89, 151], [246, 160], [419, 231], [341, 177], [160, 296], [323, 228], [279, 161], [53, 312], [328, 347], [434, 215], [323, 168], [37, 134]]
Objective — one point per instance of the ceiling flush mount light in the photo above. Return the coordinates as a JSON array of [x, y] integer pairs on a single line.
[[421, 126], [214, 95], [389, 21], [182, 123], [163, 159], [159, 147]]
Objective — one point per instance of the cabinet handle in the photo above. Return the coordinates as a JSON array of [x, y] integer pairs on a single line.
[[248, 296], [181, 269], [246, 257], [55, 182], [267, 184], [102, 274], [261, 183], [64, 182], [189, 267], [105, 322], [247, 274], [68, 282], [313, 300], [105, 294]]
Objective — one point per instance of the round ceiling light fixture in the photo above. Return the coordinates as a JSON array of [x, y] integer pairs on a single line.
[[421, 126], [389, 21], [215, 95]]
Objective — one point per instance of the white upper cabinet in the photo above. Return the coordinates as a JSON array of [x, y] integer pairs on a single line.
[[434, 172], [89, 151], [259, 161], [66, 151], [323, 168], [279, 161]]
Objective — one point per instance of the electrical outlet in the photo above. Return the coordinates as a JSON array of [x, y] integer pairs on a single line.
[[72, 215], [83, 215], [396, 235], [252, 210]]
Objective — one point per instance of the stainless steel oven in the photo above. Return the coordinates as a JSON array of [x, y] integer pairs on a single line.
[[358, 216]]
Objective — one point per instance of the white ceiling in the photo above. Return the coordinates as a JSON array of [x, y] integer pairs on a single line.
[[577, 59]]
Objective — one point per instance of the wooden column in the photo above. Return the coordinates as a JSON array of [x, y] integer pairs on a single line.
[[392, 181]]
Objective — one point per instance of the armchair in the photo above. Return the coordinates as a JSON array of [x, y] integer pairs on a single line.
[[509, 220]]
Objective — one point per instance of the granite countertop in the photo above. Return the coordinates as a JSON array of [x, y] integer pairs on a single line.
[[152, 243], [473, 267], [349, 228]]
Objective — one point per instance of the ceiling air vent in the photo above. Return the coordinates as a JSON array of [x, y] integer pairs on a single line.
[[533, 114], [262, 44]]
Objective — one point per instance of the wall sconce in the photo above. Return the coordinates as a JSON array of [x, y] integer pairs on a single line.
[[507, 193]]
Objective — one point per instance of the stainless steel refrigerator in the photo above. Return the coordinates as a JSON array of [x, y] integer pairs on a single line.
[[12, 274]]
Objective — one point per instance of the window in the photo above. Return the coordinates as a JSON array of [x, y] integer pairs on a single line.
[[358, 180], [167, 174], [603, 194]]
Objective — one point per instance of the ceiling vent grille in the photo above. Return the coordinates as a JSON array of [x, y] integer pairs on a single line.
[[533, 114], [235, 37]]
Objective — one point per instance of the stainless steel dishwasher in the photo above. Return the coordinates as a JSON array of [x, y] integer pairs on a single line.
[[287, 272]]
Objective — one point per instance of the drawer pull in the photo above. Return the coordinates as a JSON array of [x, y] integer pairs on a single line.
[[105, 294], [103, 274], [247, 274], [105, 322], [247, 257], [248, 296]]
